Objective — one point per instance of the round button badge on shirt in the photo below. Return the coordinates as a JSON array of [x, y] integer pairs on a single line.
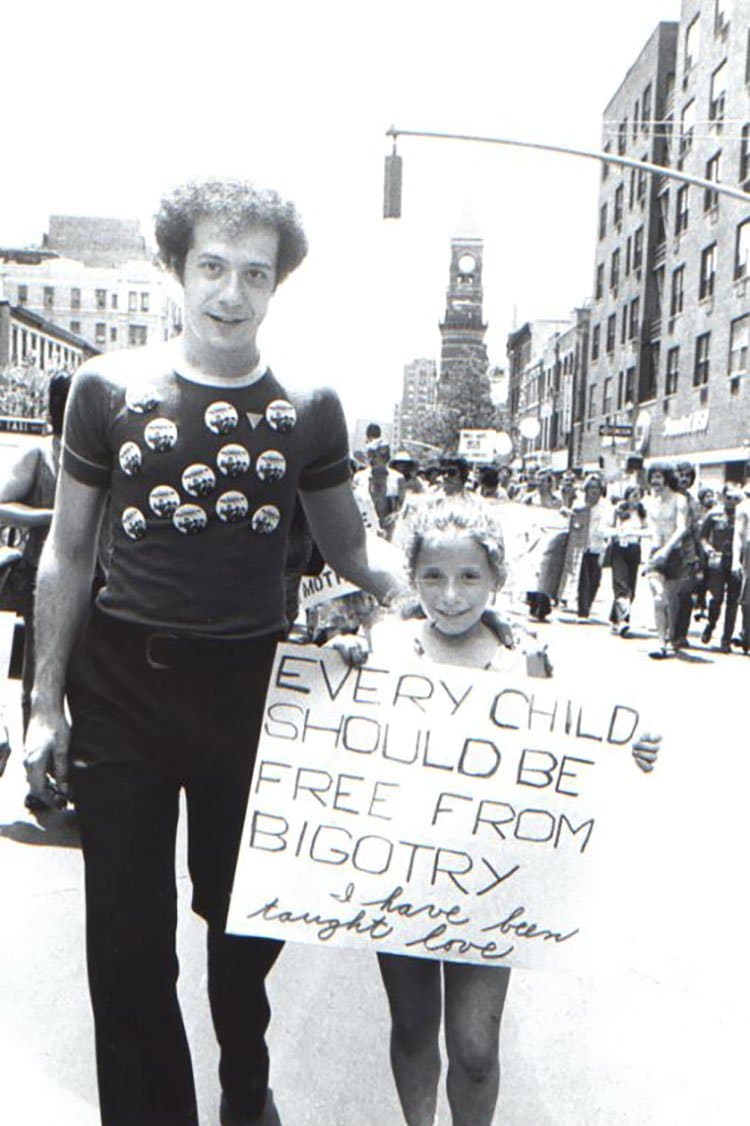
[[221, 417], [232, 507], [270, 466], [281, 415], [133, 523], [164, 501], [265, 519], [233, 460], [140, 398], [199, 480], [130, 458], [160, 435], [190, 519]]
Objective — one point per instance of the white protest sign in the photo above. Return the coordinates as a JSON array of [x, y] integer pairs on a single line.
[[477, 445], [314, 589], [432, 810]]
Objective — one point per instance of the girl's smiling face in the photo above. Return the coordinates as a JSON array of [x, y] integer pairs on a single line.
[[454, 580]]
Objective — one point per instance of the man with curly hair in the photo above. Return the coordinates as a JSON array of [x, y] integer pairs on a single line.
[[165, 676]]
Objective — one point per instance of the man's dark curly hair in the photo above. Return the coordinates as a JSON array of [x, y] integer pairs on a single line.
[[236, 204]]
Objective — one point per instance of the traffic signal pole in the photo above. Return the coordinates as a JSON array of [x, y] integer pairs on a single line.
[[393, 164]]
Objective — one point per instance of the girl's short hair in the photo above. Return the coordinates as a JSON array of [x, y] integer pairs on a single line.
[[236, 204], [667, 471], [458, 515]]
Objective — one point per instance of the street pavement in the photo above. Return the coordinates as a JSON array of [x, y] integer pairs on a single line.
[[657, 1038]]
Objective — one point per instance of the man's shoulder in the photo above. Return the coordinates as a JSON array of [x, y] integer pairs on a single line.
[[126, 365]]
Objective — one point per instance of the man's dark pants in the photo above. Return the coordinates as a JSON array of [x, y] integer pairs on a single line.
[[153, 715], [722, 580]]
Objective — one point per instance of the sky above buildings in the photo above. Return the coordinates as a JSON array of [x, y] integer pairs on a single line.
[[105, 109]]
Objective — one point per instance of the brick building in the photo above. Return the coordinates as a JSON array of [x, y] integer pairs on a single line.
[[670, 328], [95, 241], [110, 306]]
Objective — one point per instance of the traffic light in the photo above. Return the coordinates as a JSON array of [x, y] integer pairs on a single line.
[[392, 187]]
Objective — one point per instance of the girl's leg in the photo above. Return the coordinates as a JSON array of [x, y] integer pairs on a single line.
[[414, 996], [474, 1000]]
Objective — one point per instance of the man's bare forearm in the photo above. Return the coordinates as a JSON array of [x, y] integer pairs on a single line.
[[63, 595], [374, 565]]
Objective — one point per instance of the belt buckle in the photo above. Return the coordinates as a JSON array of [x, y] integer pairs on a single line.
[[150, 659]]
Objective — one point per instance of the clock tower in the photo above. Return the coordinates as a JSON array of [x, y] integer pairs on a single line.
[[462, 329]]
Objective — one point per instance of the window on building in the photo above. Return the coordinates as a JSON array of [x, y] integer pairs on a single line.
[[687, 126], [702, 359], [711, 199], [745, 158], [641, 180], [635, 313], [619, 199], [629, 385], [628, 252], [112, 334], [717, 101], [631, 194], [136, 334], [622, 136], [742, 250], [75, 326], [602, 220], [113, 300], [620, 389], [662, 218], [721, 16], [611, 332], [100, 298], [100, 333], [649, 374], [636, 117], [23, 295], [677, 296], [673, 370], [692, 43], [144, 302], [595, 332], [600, 281], [646, 109], [658, 292], [132, 301], [708, 272], [605, 166], [614, 269], [607, 396], [681, 214], [49, 297], [592, 400], [638, 249], [75, 298], [739, 345], [624, 323]]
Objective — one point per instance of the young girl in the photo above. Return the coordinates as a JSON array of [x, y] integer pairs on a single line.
[[456, 564]]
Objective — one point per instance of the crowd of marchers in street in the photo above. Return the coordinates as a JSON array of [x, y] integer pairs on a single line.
[[688, 541]]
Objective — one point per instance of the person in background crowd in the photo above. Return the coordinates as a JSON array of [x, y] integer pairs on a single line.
[[452, 475], [741, 563], [568, 490], [489, 480], [27, 497], [599, 518], [543, 494], [691, 571], [630, 525], [408, 466], [717, 534], [667, 515], [706, 504], [385, 487], [504, 483], [165, 676]]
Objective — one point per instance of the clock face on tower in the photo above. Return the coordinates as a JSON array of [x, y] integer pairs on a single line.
[[467, 264]]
